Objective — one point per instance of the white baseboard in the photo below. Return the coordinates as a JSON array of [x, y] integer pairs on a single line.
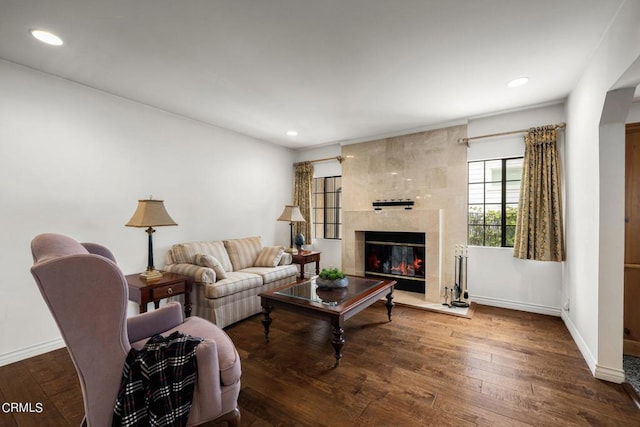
[[582, 345], [609, 374], [33, 350], [516, 305], [600, 372]]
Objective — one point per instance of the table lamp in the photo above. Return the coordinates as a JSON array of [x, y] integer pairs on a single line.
[[292, 214], [150, 213]]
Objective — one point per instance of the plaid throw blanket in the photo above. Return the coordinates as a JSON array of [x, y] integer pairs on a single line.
[[158, 383]]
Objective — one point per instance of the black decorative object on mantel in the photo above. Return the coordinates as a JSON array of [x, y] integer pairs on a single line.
[[406, 203]]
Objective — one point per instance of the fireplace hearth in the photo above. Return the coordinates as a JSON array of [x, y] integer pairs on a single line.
[[397, 255]]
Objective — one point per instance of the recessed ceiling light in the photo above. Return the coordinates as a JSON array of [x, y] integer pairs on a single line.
[[46, 37], [518, 82], [292, 132]]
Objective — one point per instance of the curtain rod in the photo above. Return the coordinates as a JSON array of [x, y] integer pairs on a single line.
[[513, 132], [326, 159]]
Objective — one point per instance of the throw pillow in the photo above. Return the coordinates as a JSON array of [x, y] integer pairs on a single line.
[[205, 260], [269, 256], [243, 252]]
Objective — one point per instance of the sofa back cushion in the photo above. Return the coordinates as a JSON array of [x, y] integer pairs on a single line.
[[243, 252], [185, 253]]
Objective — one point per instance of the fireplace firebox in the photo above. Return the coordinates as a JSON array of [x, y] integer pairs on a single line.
[[398, 255]]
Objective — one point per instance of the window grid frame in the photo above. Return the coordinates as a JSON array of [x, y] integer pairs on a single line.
[[328, 210], [503, 202]]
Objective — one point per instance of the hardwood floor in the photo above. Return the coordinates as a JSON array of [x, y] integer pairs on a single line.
[[501, 367]]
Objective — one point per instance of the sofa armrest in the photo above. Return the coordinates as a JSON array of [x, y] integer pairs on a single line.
[[154, 322], [199, 274], [286, 259]]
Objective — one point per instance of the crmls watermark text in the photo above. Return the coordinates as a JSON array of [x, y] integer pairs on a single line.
[[24, 407]]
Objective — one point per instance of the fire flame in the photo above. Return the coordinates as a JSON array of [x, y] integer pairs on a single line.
[[402, 268], [374, 262]]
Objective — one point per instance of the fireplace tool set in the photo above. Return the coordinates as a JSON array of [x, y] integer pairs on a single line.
[[452, 296]]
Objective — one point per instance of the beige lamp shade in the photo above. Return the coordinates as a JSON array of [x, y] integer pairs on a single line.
[[291, 213], [150, 213]]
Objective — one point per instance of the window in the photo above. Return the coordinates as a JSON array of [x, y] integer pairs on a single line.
[[494, 192], [327, 204]]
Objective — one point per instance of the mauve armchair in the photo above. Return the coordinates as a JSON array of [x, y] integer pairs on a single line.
[[87, 294]]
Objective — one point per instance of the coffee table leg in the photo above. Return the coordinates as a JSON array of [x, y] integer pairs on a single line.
[[266, 320], [338, 343], [389, 303], [187, 305]]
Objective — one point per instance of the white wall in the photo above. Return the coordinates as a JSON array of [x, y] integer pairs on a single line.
[[495, 277], [75, 161], [595, 315], [634, 113], [331, 249]]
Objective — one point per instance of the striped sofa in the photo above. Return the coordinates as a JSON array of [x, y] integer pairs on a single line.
[[229, 275]]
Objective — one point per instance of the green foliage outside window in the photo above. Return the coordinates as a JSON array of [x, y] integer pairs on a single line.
[[491, 233], [494, 189]]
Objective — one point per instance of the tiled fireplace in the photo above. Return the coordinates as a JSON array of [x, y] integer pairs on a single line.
[[429, 168], [359, 225]]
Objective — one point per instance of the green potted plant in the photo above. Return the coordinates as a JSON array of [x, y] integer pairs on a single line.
[[332, 278]]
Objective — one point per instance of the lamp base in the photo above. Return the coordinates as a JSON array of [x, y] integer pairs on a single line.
[[150, 275]]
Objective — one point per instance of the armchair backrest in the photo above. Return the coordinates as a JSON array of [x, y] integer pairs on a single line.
[[87, 295]]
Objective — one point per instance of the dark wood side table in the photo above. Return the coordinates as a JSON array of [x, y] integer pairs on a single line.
[[169, 285], [306, 257]]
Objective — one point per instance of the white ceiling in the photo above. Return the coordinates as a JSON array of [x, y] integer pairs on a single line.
[[334, 70]]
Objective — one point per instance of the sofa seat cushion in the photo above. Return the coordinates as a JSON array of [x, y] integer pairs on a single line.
[[272, 274], [236, 281], [185, 253], [228, 359]]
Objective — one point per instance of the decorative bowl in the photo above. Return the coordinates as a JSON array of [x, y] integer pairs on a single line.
[[332, 296], [332, 284]]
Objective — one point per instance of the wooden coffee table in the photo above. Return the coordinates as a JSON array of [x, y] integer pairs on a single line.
[[335, 306]]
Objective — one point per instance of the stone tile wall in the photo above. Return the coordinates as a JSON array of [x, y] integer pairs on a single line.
[[427, 167]]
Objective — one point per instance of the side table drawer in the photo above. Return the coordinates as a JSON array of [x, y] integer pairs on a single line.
[[168, 291], [312, 258]]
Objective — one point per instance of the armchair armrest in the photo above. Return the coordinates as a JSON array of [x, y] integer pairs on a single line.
[[97, 249], [217, 355], [154, 322], [199, 274]]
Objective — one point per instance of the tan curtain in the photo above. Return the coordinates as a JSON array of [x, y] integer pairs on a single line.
[[539, 233], [302, 191]]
